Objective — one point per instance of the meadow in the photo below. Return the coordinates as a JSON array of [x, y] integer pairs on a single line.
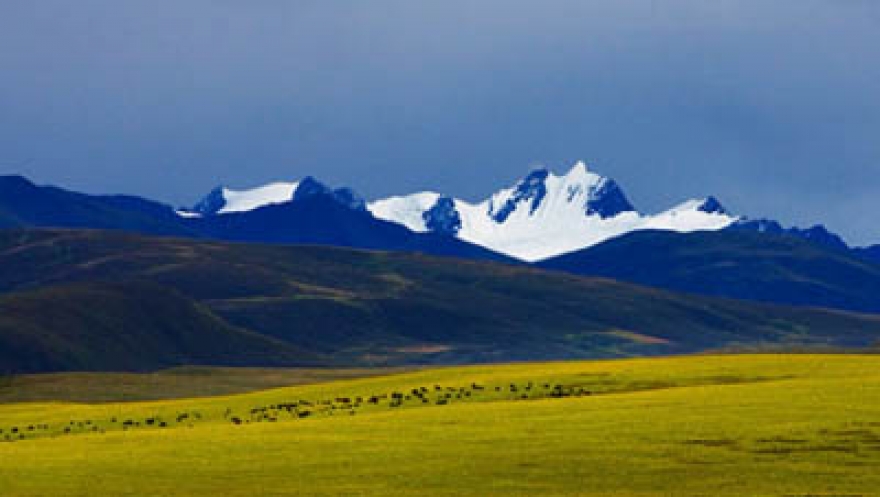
[[756, 425], [172, 383]]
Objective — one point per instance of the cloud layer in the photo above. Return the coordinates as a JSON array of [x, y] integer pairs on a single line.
[[773, 106]]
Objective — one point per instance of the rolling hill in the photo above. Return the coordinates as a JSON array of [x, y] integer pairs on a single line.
[[144, 302], [736, 264], [125, 326]]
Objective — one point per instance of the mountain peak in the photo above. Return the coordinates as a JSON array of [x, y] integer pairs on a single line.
[[820, 234], [535, 177], [349, 198], [579, 171], [16, 180], [443, 217], [224, 200], [532, 189], [606, 199], [597, 195], [580, 189], [213, 202], [310, 187], [711, 205]]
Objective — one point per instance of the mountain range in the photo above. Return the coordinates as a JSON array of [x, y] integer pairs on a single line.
[[579, 222], [541, 216], [739, 264], [552, 267], [109, 300], [545, 215], [315, 216]]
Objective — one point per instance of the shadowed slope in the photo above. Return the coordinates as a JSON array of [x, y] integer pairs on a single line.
[[125, 326], [363, 307], [737, 264]]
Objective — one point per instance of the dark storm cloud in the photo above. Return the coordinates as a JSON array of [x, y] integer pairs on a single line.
[[773, 106]]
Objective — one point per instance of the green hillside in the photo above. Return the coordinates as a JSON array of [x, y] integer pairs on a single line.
[[107, 300]]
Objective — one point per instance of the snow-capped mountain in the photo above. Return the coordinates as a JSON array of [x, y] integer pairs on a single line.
[[541, 216], [545, 215], [223, 200]]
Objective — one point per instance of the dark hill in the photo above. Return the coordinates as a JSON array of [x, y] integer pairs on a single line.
[[736, 264], [134, 302], [23, 204], [125, 326]]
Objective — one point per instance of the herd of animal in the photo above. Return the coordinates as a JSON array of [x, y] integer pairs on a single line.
[[434, 395]]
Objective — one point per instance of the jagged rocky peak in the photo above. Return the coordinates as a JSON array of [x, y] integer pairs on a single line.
[[212, 203], [443, 217], [820, 234], [711, 205], [223, 200], [608, 200], [817, 234], [349, 198], [600, 195], [310, 187], [708, 205], [579, 189], [531, 189]]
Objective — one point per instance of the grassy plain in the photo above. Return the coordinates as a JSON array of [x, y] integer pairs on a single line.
[[748, 425]]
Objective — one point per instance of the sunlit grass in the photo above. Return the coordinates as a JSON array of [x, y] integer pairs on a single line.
[[709, 425]]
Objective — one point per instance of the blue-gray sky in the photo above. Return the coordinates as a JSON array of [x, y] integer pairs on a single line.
[[774, 106]]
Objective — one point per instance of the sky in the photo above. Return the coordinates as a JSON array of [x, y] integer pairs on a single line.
[[772, 106]]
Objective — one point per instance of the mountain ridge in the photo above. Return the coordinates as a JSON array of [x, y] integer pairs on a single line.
[[602, 212], [540, 217], [544, 215], [735, 263], [99, 300], [318, 215]]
